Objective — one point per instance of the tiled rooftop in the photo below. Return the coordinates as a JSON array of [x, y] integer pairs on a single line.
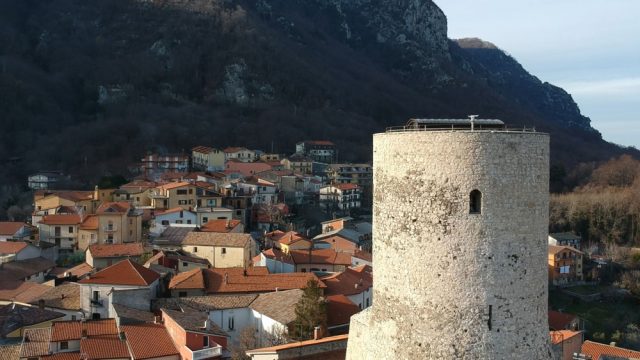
[[125, 272], [116, 250]]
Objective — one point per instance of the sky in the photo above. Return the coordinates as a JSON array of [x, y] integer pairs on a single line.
[[591, 48]]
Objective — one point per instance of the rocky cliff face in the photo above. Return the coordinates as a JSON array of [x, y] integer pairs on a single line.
[[116, 78]]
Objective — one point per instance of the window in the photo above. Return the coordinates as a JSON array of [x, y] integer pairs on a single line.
[[190, 191], [231, 323], [205, 219], [475, 202], [96, 295], [367, 302], [205, 341], [185, 264], [182, 294], [178, 221], [182, 202], [181, 192], [188, 221], [64, 345], [70, 229], [165, 222], [223, 250], [195, 249], [73, 317]]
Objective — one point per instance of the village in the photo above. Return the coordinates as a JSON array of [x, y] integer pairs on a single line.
[[214, 254]]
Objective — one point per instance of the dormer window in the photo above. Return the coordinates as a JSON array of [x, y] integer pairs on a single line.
[[475, 202]]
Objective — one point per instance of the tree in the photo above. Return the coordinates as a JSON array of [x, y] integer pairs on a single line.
[[247, 341], [311, 311]]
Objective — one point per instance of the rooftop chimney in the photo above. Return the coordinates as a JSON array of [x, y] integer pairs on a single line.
[[226, 278], [613, 343], [317, 333]]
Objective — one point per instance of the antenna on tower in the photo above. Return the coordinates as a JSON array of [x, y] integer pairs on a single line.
[[472, 119]]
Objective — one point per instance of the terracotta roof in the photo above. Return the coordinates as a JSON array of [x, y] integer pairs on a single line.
[[276, 254], [320, 256], [232, 149], [104, 347], [9, 351], [559, 320], [78, 270], [65, 296], [257, 280], [352, 281], [339, 310], [173, 235], [35, 342], [206, 303], [116, 250], [170, 211], [291, 237], [554, 249], [149, 341], [116, 207], [124, 272], [560, 336], [74, 355], [21, 291], [596, 350], [278, 305], [364, 255], [203, 149], [127, 315], [319, 142], [91, 222], [195, 321], [220, 225], [21, 269], [61, 219], [72, 329], [217, 239], [10, 227], [188, 280], [15, 316], [12, 247], [300, 344], [173, 185], [344, 187]]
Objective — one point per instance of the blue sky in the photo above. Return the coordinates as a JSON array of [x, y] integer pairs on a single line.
[[591, 48]]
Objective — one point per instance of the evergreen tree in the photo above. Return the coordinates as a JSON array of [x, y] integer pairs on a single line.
[[311, 311]]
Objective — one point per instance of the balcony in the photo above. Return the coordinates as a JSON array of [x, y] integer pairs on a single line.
[[110, 228], [206, 352], [96, 303]]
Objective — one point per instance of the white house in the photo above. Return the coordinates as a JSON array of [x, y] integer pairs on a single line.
[[14, 230], [215, 213], [97, 290], [276, 261], [340, 196], [162, 220], [239, 153], [17, 250], [262, 191]]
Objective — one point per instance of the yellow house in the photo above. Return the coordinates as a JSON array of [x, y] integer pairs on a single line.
[[171, 195], [118, 222], [88, 232], [208, 159], [289, 240], [17, 318], [87, 201], [136, 192], [223, 250]]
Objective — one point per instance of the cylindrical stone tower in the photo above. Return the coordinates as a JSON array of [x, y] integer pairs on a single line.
[[460, 217]]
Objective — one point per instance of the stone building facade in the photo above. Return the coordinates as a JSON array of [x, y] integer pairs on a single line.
[[477, 202]]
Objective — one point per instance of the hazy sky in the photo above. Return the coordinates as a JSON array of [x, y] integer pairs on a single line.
[[591, 48]]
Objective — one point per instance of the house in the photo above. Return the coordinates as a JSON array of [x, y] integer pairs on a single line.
[[266, 217], [14, 230], [223, 226], [175, 194], [239, 153], [287, 241], [189, 283], [217, 213], [565, 239], [260, 190], [64, 298], [79, 271], [150, 341], [102, 256], [82, 201], [171, 238], [269, 157], [596, 351], [17, 250], [350, 238], [119, 222], [24, 292], [194, 334], [273, 314], [563, 321], [207, 196], [359, 174], [137, 192], [32, 270], [15, 319], [207, 158], [361, 257], [339, 312], [340, 197], [44, 180], [328, 348], [61, 230], [566, 343], [565, 265], [176, 216], [223, 250], [354, 283], [35, 343], [319, 150], [320, 260], [298, 163], [98, 290], [275, 260], [177, 261], [253, 280], [88, 232], [153, 165]]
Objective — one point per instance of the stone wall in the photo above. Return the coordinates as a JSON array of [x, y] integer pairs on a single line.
[[450, 284]]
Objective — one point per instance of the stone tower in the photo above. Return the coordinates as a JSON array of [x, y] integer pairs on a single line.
[[460, 223]]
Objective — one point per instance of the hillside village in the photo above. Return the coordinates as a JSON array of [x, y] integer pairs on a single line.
[[209, 255]]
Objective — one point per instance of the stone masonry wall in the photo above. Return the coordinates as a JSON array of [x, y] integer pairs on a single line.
[[449, 284]]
